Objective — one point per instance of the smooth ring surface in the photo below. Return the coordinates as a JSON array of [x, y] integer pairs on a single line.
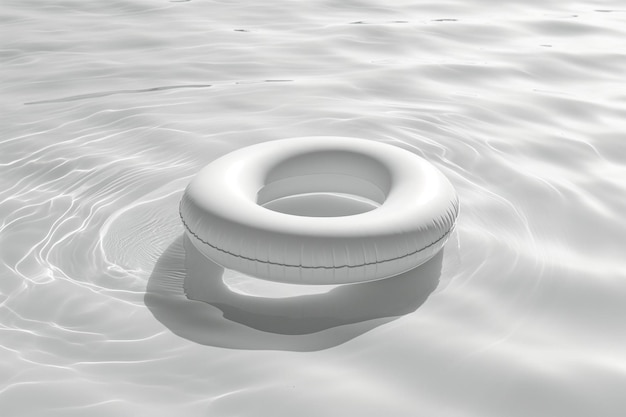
[[223, 211]]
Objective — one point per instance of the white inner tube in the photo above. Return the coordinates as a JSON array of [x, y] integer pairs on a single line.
[[319, 210]]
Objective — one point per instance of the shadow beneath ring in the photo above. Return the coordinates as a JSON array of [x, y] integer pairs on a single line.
[[228, 319]]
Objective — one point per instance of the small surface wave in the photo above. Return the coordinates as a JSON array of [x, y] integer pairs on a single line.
[[110, 93]]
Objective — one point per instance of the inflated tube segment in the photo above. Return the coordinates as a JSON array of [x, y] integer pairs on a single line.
[[319, 210]]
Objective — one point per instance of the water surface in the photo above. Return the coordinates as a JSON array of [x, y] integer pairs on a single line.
[[107, 109]]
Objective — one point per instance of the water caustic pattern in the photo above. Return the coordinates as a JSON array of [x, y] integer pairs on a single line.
[[107, 109]]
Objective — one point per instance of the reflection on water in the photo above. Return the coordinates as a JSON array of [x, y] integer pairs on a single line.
[[363, 304], [108, 109]]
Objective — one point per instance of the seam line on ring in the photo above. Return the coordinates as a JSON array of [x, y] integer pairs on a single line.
[[310, 267]]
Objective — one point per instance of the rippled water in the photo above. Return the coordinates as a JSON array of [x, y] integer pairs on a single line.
[[108, 108]]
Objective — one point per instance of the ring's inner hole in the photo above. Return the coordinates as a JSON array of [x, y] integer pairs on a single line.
[[325, 184]]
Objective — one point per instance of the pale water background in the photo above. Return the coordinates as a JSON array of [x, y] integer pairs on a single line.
[[109, 108]]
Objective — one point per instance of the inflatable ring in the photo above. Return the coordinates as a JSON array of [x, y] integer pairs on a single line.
[[264, 210]]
